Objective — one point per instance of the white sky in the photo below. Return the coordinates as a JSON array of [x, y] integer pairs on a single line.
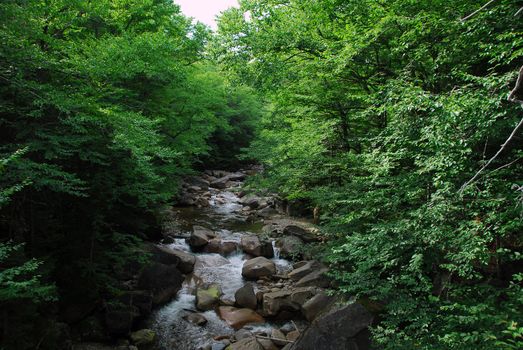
[[205, 10]]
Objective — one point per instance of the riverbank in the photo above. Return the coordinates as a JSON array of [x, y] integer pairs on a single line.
[[245, 284]]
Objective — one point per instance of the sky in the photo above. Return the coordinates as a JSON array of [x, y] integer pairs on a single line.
[[205, 10]]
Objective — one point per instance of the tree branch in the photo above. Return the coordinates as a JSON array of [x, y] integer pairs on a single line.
[[512, 98], [477, 11]]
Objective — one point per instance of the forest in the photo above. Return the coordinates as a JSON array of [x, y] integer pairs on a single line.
[[397, 122]]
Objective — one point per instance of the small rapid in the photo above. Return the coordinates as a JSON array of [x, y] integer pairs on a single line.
[[224, 217]]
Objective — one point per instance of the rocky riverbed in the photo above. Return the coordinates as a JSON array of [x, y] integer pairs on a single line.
[[232, 272]]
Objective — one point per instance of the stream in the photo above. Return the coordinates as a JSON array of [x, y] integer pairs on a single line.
[[224, 217]]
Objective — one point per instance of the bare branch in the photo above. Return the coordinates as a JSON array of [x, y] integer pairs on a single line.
[[477, 11], [512, 97], [492, 159], [519, 11], [515, 93]]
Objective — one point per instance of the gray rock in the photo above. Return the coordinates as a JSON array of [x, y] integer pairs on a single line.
[[243, 334], [316, 278], [290, 247], [164, 281], [186, 260], [258, 267], [253, 246], [276, 302], [304, 270], [318, 304], [200, 237], [245, 297], [246, 344], [163, 255], [341, 328], [278, 337], [220, 183]]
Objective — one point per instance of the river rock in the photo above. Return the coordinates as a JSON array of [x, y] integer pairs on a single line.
[[164, 281], [243, 334], [163, 255], [306, 234], [245, 344], [258, 267], [251, 201], [195, 318], [239, 176], [187, 260], [208, 298], [278, 337], [200, 237], [276, 302], [197, 181], [266, 212], [220, 183], [267, 344], [300, 295], [253, 246], [341, 328], [237, 318], [245, 297], [316, 278], [218, 246], [290, 247], [319, 303], [293, 335], [143, 337], [304, 270]]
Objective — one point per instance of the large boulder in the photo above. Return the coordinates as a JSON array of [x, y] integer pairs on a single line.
[[251, 201], [246, 344], [200, 236], [237, 318], [253, 246], [208, 298], [218, 246], [245, 297], [276, 302], [163, 255], [290, 247], [258, 267], [164, 281], [341, 328], [316, 305], [186, 260]]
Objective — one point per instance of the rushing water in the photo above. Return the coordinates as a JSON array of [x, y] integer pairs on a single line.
[[223, 216]]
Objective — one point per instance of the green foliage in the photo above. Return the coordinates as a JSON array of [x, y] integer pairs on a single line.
[[112, 102], [378, 113]]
